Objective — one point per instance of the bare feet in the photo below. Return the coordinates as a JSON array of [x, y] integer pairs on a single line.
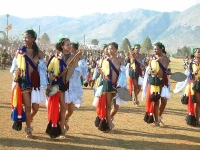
[[29, 135], [110, 131], [63, 134], [29, 132]]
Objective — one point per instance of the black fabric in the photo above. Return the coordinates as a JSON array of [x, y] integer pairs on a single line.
[[62, 86], [22, 82], [55, 131], [146, 117], [133, 74], [154, 81], [103, 125], [184, 99], [17, 126], [150, 119], [191, 120], [108, 86], [97, 121], [196, 86], [154, 97], [193, 99]]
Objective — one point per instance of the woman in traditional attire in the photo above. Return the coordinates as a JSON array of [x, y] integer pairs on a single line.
[[30, 76], [56, 102], [134, 69], [192, 91], [73, 95], [156, 85], [112, 76]]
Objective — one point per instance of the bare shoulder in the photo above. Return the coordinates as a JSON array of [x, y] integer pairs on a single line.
[[40, 54], [165, 58], [121, 60]]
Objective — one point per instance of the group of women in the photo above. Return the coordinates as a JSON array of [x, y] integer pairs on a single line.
[[32, 76]]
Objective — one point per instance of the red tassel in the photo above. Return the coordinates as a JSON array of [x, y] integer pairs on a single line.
[[101, 107], [53, 108], [88, 77], [19, 101], [130, 85], [49, 108], [151, 108], [148, 103], [191, 108], [35, 79]]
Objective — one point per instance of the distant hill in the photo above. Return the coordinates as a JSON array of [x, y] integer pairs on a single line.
[[174, 29]]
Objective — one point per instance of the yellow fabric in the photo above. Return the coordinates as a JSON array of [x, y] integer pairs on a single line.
[[100, 62], [15, 96], [187, 90], [195, 68], [155, 89], [51, 64], [133, 64], [56, 66], [191, 89], [19, 58], [106, 67], [155, 66], [21, 62]]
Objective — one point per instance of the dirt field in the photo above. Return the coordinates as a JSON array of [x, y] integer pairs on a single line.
[[131, 132]]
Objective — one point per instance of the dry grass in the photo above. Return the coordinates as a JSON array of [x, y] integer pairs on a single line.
[[131, 132]]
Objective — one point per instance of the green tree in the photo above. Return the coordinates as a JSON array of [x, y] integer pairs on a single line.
[[94, 42], [146, 45], [45, 39], [125, 45], [185, 51], [179, 52]]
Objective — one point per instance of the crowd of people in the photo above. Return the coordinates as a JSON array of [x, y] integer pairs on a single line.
[[62, 73]]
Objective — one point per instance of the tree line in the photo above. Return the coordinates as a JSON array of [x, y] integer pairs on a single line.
[[126, 46]]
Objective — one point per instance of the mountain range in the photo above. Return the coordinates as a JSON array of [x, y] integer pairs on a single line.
[[175, 29]]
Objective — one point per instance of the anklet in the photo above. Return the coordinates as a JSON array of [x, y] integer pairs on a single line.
[[111, 127], [28, 130]]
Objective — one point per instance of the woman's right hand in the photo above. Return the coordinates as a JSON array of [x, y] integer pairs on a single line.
[[52, 77]]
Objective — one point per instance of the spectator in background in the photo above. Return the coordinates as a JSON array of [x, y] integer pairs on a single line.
[[4, 56]]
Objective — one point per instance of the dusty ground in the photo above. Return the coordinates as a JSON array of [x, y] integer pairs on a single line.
[[131, 132]]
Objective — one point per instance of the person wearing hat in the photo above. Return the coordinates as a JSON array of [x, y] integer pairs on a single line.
[[4, 56], [113, 75]]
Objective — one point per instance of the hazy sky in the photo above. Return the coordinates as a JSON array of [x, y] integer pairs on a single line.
[[77, 8]]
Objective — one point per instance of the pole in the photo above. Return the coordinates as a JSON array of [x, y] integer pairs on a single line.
[[7, 15]]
